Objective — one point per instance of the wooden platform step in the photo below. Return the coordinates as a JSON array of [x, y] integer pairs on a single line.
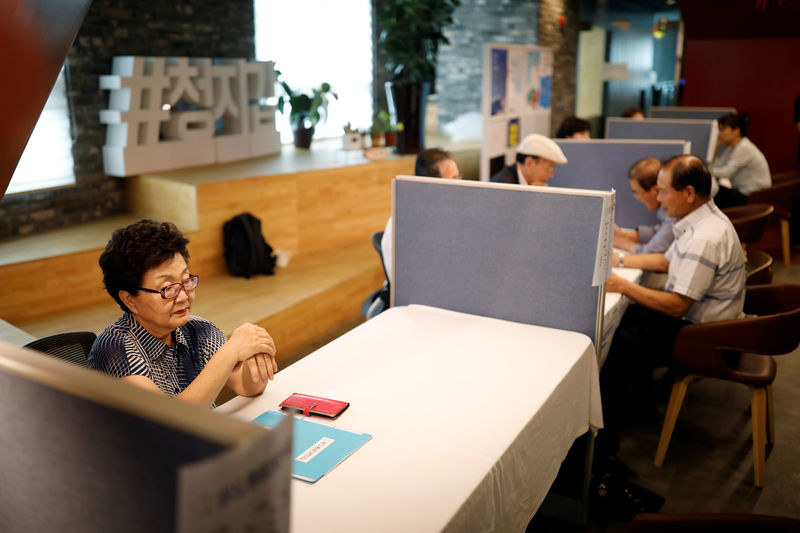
[[315, 294]]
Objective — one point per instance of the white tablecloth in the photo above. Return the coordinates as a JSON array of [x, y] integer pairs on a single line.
[[615, 306], [471, 418]]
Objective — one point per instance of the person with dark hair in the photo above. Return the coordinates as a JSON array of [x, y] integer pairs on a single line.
[[738, 161], [705, 269], [574, 128], [633, 112], [436, 163], [430, 163], [537, 157], [157, 344], [646, 239]]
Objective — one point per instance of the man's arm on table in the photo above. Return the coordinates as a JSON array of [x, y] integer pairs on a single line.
[[671, 304], [651, 262]]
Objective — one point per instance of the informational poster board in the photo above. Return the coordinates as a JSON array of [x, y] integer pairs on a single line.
[[515, 100]]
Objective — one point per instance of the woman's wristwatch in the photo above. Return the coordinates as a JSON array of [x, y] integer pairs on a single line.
[[622, 260]]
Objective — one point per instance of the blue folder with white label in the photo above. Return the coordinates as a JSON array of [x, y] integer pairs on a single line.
[[316, 448]]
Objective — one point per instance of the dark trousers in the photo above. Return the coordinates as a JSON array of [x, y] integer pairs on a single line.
[[729, 198], [643, 341]]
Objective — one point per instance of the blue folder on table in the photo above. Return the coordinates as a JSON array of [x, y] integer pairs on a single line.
[[316, 448]]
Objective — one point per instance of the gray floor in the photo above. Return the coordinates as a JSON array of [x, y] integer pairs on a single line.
[[709, 463]]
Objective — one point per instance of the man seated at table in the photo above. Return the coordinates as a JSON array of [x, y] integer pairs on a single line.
[[645, 239], [574, 128], [705, 282], [157, 344], [431, 163], [537, 157]]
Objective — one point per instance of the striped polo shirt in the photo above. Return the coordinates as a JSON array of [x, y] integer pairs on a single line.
[[706, 263], [126, 348]]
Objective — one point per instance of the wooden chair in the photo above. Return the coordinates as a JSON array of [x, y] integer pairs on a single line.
[[759, 267], [73, 347], [782, 197], [739, 351], [750, 221]]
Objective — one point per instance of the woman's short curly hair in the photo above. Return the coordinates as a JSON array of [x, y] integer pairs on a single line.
[[134, 250]]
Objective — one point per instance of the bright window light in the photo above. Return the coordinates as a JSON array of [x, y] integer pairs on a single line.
[[315, 41], [47, 159]]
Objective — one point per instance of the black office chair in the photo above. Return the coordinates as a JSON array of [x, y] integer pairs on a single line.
[[377, 301], [73, 347]]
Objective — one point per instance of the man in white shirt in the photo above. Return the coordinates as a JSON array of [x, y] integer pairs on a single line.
[[537, 157], [739, 162], [706, 282]]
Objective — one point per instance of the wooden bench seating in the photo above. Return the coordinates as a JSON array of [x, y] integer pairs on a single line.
[[323, 217]]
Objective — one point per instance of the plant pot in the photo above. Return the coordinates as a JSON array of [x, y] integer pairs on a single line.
[[389, 138], [302, 137], [376, 139], [407, 102], [352, 141]]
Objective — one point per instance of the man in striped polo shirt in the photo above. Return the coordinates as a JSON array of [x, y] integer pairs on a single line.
[[706, 282]]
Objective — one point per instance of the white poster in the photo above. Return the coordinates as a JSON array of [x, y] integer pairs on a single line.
[[516, 100]]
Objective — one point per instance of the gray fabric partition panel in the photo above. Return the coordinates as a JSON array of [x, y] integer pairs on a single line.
[[604, 164], [71, 465], [699, 132], [697, 113], [505, 252]]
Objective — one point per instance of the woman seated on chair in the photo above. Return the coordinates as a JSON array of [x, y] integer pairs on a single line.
[[739, 161], [157, 344]]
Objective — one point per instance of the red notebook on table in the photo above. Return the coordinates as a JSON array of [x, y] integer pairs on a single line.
[[314, 405]]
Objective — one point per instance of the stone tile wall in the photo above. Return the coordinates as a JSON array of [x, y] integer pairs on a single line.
[[200, 28]]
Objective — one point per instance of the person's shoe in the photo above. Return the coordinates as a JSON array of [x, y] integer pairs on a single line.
[[619, 498]]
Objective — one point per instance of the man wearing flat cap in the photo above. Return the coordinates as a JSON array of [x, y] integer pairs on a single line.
[[537, 157]]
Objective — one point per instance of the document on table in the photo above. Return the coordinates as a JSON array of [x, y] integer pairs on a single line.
[[317, 449]]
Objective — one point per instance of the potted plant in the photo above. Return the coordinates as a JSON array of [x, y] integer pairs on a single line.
[[376, 133], [411, 32], [353, 140], [307, 110], [389, 131]]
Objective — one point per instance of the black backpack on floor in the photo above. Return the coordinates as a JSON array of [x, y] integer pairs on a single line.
[[246, 251]]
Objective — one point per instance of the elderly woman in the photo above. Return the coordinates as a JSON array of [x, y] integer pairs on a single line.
[[157, 344]]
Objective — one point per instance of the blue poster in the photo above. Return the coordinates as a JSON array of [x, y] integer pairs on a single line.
[[546, 92], [499, 77]]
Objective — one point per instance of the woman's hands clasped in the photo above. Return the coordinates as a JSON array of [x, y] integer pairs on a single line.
[[254, 347]]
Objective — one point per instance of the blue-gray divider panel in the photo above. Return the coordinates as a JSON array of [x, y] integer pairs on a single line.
[[507, 252], [698, 113], [71, 465], [696, 131], [603, 165]]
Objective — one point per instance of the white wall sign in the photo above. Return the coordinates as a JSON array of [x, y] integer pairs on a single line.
[[515, 101], [173, 112]]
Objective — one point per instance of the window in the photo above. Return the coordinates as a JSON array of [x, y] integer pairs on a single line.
[[317, 41], [47, 159]]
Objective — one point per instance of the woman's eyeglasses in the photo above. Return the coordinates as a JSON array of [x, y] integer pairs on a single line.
[[170, 292]]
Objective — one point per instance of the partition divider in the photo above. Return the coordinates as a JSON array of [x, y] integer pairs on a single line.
[[702, 133], [603, 164], [535, 255]]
